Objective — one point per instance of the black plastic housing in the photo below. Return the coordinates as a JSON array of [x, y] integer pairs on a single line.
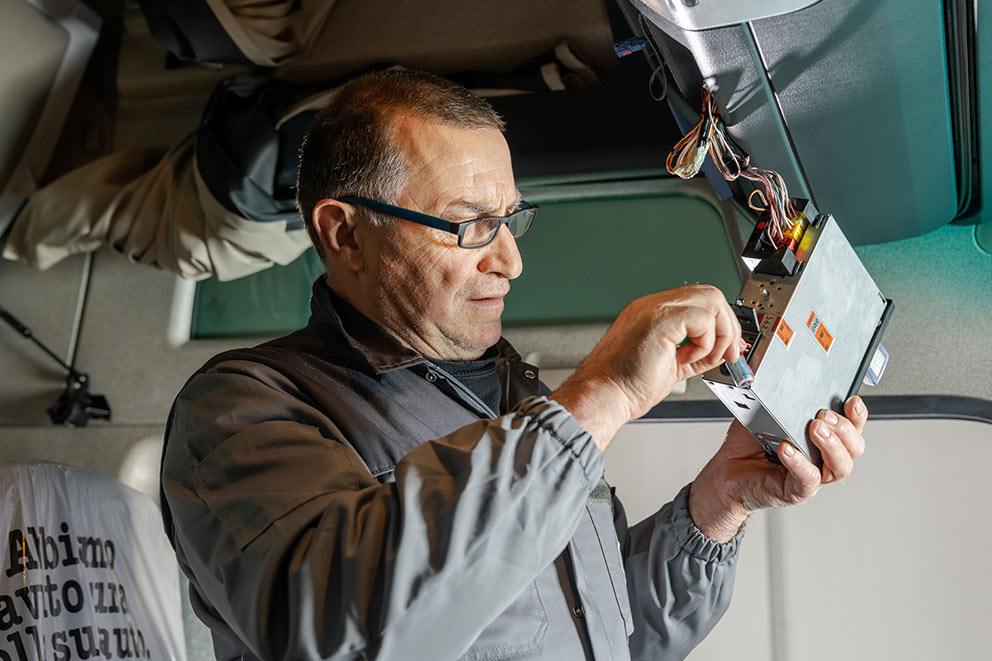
[[770, 260]]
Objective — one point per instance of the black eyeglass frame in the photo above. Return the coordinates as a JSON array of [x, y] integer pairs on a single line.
[[458, 228]]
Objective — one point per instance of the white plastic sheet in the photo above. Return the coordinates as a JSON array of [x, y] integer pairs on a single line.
[[86, 571]]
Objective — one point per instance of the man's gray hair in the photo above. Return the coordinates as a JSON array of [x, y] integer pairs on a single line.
[[349, 149]]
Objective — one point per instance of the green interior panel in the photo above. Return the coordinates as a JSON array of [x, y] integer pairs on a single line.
[[268, 303], [584, 260]]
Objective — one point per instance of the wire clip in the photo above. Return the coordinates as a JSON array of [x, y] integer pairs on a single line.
[[627, 46]]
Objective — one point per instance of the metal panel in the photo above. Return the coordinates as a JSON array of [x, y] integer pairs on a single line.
[[796, 377], [707, 14], [804, 377]]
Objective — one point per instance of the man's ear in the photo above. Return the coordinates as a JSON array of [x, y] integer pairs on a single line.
[[335, 225]]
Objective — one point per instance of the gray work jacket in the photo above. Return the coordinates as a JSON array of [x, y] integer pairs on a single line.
[[334, 495]]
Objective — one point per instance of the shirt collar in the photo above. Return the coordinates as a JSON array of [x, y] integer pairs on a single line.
[[381, 350]]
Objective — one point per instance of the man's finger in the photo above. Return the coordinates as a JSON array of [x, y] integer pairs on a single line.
[[701, 331], [728, 331], [846, 431], [804, 474], [704, 350], [856, 411], [837, 460]]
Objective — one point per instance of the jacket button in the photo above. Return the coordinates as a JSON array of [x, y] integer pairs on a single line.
[[577, 611], [431, 377], [530, 374]]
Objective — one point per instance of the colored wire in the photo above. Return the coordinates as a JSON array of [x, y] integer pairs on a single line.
[[707, 137]]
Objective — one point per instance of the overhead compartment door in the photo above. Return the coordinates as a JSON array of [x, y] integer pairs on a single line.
[[854, 102], [864, 90]]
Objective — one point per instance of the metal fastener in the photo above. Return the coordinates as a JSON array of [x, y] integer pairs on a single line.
[[577, 611], [530, 374], [431, 377]]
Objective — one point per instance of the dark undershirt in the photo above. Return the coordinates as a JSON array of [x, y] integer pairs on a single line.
[[479, 376]]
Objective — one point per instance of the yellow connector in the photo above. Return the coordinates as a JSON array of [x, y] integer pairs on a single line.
[[799, 225]]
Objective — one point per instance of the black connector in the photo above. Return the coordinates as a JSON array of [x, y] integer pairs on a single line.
[[746, 317], [763, 257], [750, 331]]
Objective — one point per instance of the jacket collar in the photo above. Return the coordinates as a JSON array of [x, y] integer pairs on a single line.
[[380, 349]]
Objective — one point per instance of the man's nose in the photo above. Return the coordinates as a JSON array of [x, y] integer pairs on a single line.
[[501, 257]]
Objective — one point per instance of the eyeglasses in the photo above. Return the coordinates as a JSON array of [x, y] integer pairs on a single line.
[[475, 233]]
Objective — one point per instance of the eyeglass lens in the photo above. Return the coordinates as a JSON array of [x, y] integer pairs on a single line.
[[482, 231]]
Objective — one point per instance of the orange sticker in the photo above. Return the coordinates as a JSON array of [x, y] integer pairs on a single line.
[[819, 330], [784, 332]]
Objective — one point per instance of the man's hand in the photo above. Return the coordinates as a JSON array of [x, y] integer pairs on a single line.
[[739, 478], [639, 359]]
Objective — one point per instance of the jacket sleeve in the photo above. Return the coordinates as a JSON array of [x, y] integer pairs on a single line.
[[678, 580], [304, 555]]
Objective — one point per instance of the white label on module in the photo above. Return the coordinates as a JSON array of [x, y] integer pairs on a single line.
[[877, 366]]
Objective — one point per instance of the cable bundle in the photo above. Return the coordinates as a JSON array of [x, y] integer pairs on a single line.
[[686, 158]]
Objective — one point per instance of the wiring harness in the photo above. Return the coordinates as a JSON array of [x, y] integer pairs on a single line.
[[785, 224]]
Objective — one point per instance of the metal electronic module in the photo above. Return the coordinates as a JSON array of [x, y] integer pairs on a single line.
[[814, 321]]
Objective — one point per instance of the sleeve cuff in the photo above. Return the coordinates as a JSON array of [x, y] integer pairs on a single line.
[[693, 541], [553, 418]]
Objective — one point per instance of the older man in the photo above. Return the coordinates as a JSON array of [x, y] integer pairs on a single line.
[[393, 482]]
